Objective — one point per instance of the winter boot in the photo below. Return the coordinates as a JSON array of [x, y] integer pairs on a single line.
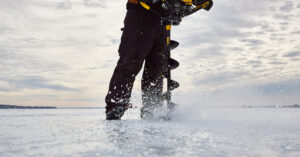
[[116, 112]]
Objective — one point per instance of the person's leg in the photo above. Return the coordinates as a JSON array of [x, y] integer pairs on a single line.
[[152, 81], [136, 43]]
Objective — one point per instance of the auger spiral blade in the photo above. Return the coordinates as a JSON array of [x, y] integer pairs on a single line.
[[173, 64], [173, 44], [173, 85]]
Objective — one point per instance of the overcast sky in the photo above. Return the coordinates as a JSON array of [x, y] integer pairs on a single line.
[[63, 52]]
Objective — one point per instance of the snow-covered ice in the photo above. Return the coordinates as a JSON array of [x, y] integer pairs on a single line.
[[206, 132]]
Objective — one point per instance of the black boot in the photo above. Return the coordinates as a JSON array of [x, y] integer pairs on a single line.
[[116, 112]]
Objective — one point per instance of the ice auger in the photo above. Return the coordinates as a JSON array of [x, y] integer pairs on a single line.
[[176, 9]]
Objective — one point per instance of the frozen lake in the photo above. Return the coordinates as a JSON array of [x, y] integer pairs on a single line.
[[206, 132]]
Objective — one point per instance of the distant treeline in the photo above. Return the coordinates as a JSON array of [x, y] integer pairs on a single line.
[[274, 106], [25, 107]]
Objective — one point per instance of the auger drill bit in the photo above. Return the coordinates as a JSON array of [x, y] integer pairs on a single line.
[[172, 64], [173, 44]]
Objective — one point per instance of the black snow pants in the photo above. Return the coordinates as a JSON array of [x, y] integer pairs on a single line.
[[143, 39]]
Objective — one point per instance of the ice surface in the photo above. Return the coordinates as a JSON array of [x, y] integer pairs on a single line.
[[214, 132]]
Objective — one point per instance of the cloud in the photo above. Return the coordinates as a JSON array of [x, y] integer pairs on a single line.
[[4, 89], [295, 32], [75, 43], [208, 52], [266, 93], [255, 63], [277, 63], [65, 5], [282, 88], [4, 28], [252, 41], [292, 54], [34, 82], [221, 78], [283, 17], [95, 3], [287, 7], [14, 64]]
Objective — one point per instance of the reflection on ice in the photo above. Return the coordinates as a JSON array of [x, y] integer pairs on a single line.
[[211, 133], [160, 138]]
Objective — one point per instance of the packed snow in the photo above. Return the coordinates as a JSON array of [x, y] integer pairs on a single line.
[[206, 132]]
